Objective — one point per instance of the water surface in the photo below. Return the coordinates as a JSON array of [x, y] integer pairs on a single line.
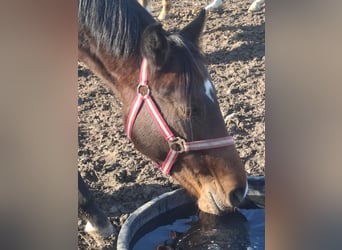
[[239, 230]]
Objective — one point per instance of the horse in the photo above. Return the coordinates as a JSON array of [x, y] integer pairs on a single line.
[[169, 103], [217, 4], [256, 5], [164, 13], [213, 6]]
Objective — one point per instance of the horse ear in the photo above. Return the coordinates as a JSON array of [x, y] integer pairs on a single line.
[[194, 29], [154, 45]]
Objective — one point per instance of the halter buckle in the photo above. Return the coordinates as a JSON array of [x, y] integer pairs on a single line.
[[143, 90], [177, 145]]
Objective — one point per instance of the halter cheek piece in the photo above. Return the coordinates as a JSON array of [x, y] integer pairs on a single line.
[[177, 145]]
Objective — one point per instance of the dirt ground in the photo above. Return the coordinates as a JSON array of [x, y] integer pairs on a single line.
[[120, 177]]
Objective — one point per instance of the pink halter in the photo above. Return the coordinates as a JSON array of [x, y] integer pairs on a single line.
[[177, 145]]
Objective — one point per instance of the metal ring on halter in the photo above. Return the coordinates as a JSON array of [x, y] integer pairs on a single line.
[[143, 90], [177, 145]]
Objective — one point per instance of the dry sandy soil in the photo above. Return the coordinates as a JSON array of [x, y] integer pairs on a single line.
[[120, 177]]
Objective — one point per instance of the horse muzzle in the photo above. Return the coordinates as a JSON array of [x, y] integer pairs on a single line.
[[213, 202]]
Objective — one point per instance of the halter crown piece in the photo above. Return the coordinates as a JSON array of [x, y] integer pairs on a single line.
[[177, 145]]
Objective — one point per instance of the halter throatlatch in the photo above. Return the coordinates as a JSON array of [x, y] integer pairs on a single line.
[[177, 145]]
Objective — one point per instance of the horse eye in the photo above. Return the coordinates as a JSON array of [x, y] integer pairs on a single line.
[[187, 112], [192, 112], [195, 112]]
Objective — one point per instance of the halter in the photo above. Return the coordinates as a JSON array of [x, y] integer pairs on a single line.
[[177, 145]]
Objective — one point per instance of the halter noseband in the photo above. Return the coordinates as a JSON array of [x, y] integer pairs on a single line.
[[177, 145]]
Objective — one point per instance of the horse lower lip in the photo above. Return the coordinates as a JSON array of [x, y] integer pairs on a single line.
[[218, 204]]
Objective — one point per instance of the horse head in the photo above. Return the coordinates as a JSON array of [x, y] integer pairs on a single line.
[[179, 86]]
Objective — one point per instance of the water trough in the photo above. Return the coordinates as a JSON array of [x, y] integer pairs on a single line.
[[168, 207]]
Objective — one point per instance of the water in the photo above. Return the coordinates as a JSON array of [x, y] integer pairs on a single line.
[[256, 222], [240, 230]]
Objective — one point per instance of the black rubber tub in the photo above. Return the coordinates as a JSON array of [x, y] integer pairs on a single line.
[[167, 207]]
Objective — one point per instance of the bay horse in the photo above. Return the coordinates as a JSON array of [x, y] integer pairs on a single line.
[[213, 6], [169, 103]]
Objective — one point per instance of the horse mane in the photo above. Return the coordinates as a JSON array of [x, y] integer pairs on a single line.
[[116, 25]]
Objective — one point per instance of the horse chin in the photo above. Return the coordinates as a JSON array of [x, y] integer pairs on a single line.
[[210, 203], [215, 191]]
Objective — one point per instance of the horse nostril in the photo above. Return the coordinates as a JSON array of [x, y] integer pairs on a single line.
[[237, 196]]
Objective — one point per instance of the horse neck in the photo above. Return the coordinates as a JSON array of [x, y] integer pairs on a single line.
[[112, 53], [120, 74], [126, 71]]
